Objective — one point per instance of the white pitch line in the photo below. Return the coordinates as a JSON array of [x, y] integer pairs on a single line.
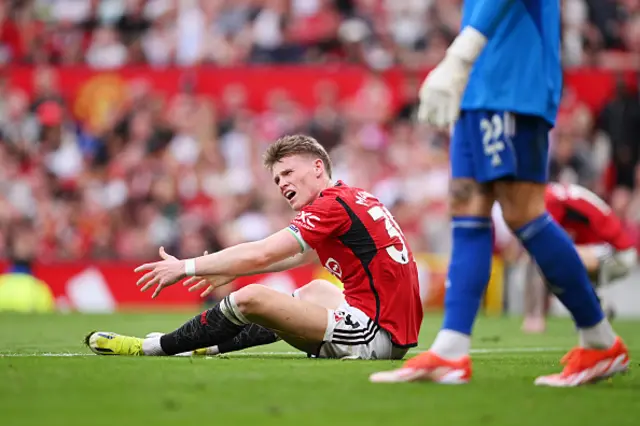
[[513, 350], [292, 353]]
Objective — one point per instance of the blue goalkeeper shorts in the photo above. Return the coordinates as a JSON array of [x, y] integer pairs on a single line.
[[493, 145]]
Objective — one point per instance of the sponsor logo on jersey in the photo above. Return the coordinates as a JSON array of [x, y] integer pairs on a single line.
[[333, 266], [294, 229], [306, 220], [362, 198]]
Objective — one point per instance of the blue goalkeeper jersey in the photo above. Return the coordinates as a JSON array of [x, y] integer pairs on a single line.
[[519, 70]]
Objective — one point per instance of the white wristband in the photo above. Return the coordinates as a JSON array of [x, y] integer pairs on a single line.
[[190, 267], [468, 45]]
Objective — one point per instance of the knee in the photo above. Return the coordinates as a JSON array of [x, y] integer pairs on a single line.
[[311, 290], [321, 293], [516, 215], [469, 198], [248, 299], [520, 203], [513, 217]]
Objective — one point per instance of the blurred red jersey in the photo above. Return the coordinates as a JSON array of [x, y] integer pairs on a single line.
[[360, 243], [585, 216]]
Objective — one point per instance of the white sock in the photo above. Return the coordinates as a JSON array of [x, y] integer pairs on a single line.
[[451, 345], [151, 346], [600, 336]]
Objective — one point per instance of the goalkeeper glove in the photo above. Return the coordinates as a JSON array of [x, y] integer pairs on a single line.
[[442, 90]]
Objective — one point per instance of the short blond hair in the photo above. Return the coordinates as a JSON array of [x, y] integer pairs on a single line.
[[290, 145]]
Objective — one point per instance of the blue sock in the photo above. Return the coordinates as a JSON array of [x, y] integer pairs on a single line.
[[469, 272], [560, 264]]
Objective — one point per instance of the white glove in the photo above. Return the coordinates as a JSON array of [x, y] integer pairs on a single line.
[[442, 90], [619, 264]]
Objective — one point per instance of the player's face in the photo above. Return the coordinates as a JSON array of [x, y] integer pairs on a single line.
[[299, 179]]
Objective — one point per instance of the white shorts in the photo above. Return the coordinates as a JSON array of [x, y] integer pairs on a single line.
[[351, 334]]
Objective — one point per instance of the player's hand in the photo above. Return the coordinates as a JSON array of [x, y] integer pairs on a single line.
[[164, 273], [211, 283], [441, 92]]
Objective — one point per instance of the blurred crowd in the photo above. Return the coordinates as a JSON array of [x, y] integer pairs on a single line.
[[111, 33], [185, 171]]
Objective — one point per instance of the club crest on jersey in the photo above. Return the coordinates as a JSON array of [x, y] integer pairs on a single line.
[[306, 219], [333, 266]]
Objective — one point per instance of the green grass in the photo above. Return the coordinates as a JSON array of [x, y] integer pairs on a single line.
[[283, 389]]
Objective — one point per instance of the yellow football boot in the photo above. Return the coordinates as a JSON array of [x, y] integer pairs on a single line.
[[107, 343]]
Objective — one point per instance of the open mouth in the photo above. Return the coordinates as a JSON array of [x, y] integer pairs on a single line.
[[289, 195]]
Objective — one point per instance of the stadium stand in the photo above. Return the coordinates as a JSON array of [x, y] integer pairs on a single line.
[[182, 168]]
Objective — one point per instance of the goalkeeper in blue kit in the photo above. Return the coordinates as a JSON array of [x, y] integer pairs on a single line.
[[499, 87]]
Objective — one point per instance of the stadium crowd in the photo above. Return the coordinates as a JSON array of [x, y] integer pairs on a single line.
[[185, 172], [111, 33]]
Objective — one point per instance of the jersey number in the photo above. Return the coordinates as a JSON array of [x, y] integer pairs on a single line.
[[379, 212], [492, 132]]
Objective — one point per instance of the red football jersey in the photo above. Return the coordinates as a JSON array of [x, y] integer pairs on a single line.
[[585, 216], [359, 242]]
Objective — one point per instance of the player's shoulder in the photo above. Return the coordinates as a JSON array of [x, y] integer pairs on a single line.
[[344, 193], [326, 201], [340, 198], [340, 193], [338, 190]]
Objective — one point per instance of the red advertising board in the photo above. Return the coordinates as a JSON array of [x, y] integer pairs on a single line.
[[108, 286], [87, 88]]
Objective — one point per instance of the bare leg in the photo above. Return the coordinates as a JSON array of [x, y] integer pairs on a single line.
[[535, 295], [321, 293], [318, 292]]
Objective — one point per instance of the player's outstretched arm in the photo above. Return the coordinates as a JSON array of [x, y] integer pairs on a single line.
[[211, 282], [233, 261], [275, 253], [300, 259]]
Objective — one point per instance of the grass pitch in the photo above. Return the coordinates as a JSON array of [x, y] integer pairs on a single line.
[[273, 385]]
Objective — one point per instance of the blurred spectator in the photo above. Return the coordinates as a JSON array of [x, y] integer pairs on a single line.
[[377, 33], [620, 123], [106, 50], [179, 169], [132, 23], [570, 161]]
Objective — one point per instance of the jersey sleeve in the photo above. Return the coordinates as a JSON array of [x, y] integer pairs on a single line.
[[556, 209], [609, 228], [604, 224], [317, 222], [487, 15]]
